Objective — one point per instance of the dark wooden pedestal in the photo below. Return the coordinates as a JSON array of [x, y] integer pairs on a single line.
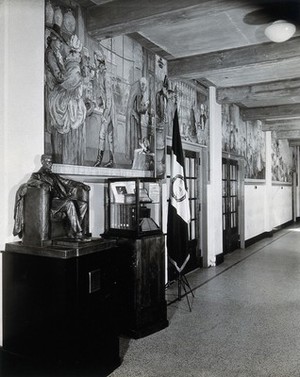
[[59, 302], [142, 284]]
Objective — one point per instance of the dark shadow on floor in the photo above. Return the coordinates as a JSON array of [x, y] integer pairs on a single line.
[[15, 366]]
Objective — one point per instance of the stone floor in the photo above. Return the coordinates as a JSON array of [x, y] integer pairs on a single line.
[[244, 321]]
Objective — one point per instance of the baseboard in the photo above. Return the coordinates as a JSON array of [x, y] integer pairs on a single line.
[[263, 235], [282, 226], [219, 259], [257, 238], [297, 219]]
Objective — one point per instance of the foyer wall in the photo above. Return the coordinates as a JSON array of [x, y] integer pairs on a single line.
[[254, 210], [269, 167], [22, 102], [282, 206]]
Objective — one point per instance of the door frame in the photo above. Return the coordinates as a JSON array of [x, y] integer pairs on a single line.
[[241, 194], [202, 181]]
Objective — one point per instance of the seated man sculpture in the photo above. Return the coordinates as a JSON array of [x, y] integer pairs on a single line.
[[66, 202]]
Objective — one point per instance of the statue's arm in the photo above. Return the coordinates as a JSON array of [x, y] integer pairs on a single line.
[[75, 184], [36, 181]]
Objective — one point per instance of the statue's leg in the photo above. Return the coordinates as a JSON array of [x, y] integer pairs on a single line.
[[109, 132], [70, 209], [101, 145], [82, 208]]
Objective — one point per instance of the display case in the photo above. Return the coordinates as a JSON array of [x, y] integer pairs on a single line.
[[133, 207]]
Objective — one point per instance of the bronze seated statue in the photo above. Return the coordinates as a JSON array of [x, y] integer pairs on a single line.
[[50, 207]]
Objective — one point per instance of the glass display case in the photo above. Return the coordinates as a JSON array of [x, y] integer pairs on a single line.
[[133, 207]]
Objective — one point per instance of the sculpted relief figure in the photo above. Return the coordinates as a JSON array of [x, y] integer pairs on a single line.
[[55, 67], [105, 106], [65, 105], [138, 104]]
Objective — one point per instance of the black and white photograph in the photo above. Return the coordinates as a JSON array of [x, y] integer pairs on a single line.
[[150, 161]]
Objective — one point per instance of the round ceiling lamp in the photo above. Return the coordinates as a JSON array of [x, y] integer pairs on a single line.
[[280, 31]]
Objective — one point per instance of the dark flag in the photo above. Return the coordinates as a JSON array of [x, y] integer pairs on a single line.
[[179, 209]]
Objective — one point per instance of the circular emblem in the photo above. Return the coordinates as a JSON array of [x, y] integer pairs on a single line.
[[178, 188]]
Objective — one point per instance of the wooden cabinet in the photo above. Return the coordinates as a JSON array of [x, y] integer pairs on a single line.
[[142, 283], [59, 303]]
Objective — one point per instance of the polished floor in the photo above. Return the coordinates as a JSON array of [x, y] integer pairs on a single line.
[[244, 322], [245, 319]]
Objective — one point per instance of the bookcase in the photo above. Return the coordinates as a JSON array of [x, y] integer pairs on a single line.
[[133, 207]]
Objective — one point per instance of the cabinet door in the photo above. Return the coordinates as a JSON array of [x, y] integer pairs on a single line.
[[150, 264]]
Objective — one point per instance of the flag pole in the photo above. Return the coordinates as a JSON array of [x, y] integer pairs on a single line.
[[178, 213]]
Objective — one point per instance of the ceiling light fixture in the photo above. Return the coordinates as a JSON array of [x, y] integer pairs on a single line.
[[280, 31]]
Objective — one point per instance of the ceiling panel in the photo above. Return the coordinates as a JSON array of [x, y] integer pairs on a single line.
[[186, 29], [253, 74], [214, 32]]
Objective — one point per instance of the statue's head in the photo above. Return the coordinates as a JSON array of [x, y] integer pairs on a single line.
[[46, 160], [143, 84]]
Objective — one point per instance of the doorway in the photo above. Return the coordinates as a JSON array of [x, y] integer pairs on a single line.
[[230, 204], [194, 180]]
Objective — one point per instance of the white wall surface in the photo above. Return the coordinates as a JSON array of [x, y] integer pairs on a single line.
[[22, 106], [281, 207], [254, 210]]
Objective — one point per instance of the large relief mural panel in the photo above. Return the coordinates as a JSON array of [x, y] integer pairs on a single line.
[[234, 131], [193, 113], [100, 97], [256, 151], [244, 139], [283, 160]]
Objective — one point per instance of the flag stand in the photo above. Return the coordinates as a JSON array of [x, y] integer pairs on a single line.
[[182, 282]]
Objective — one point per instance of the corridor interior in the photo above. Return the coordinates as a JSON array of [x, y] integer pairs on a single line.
[[244, 321]]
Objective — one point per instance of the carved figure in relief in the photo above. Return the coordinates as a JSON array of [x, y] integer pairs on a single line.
[[67, 110], [138, 105], [105, 108], [66, 199], [162, 121], [162, 102], [55, 67], [143, 158]]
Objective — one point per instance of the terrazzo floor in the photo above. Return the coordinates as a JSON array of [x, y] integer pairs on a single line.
[[244, 320]]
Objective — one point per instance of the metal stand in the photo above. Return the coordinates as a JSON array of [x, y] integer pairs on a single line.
[[182, 282]]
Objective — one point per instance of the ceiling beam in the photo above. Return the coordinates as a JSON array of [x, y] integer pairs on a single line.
[[149, 45], [123, 17], [281, 125], [258, 92], [198, 66], [271, 112], [294, 143], [288, 134]]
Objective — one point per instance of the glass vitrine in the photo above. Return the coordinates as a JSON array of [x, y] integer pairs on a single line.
[[133, 207]]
